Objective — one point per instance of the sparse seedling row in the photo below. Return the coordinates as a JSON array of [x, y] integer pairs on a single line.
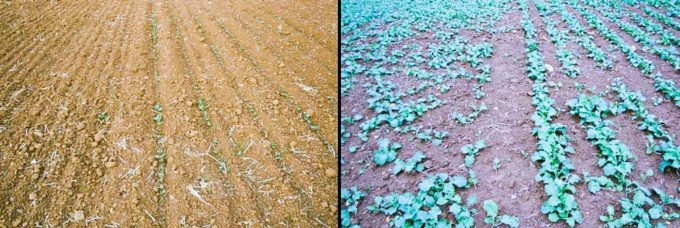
[[559, 38], [649, 123]]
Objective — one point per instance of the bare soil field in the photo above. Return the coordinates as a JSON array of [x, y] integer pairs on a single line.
[[510, 113], [168, 113]]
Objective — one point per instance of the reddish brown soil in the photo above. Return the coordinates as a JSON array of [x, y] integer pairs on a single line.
[[257, 67]]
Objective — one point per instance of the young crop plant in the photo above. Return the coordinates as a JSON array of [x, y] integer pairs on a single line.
[[351, 198], [615, 13], [414, 163], [160, 152], [647, 122], [614, 156], [645, 66], [424, 209], [668, 88], [553, 142], [439, 137], [639, 209], [492, 216], [386, 153], [216, 153], [585, 40], [559, 38], [662, 18], [496, 164], [476, 111], [203, 106], [471, 150], [103, 117]]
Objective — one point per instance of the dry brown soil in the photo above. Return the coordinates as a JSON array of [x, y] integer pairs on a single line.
[[79, 142]]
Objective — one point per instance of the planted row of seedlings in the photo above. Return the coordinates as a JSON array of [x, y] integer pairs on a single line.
[[615, 161], [424, 207], [659, 141], [584, 39], [615, 13], [665, 86], [289, 99], [289, 96], [399, 106], [559, 38], [277, 149], [553, 145], [160, 156], [668, 21]]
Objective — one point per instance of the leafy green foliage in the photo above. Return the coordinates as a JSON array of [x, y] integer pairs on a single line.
[[496, 164], [470, 151], [553, 143], [476, 111], [634, 102], [615, 14], [103, 117], [424, 208], [386, 152], [662, 18], [414, 163], [492, 215], [644, 65], [559, 38], [614, 155], [203, 106], [351, 198], [641, 209], [585, 40]]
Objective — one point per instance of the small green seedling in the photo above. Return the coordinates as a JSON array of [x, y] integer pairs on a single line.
[[471, 150], [492, 217]]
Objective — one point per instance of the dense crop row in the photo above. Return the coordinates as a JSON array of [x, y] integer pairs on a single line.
[[555, 170]]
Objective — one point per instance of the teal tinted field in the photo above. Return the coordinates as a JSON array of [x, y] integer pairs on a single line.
[[529, 113]]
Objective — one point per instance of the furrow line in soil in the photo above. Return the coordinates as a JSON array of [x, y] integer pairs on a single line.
[[288, 61], [254, 158], [86, 142], [35, 109], [26, 41], [305, 113], [19, 28], [328, 45], [214, 149], [247, 209], [37, 62]]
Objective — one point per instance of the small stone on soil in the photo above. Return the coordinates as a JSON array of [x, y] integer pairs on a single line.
[[191, 133], [275, 102], [78, 215], [110, 164], [330, 172], [80, 126], [549, 68], [99, 136]]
